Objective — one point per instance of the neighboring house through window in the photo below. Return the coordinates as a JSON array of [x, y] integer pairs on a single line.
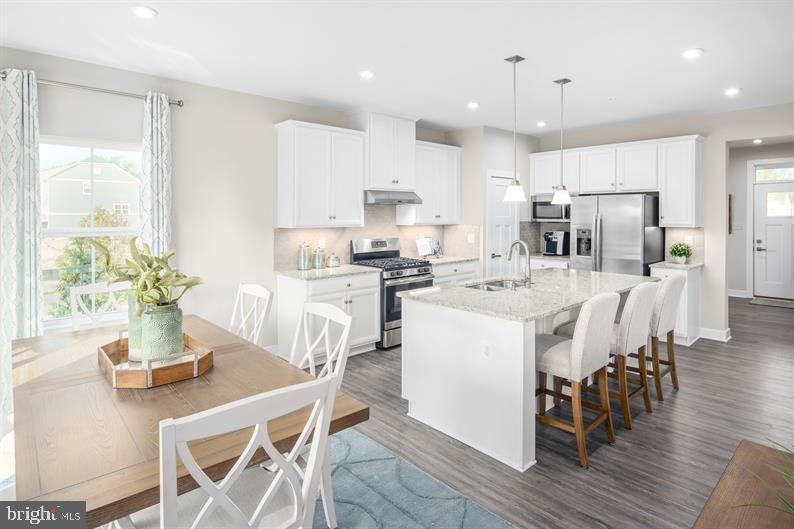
[[89, 192]]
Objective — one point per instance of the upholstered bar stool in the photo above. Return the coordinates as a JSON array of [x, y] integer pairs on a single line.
[[665, 313], [629, 338], [572, 360]]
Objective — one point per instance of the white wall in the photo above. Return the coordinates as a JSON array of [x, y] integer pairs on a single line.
[[719, 129], [737, 186]]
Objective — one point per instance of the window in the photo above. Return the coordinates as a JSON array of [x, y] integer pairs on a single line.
[[89, 192], [774, 173], [780, 204]]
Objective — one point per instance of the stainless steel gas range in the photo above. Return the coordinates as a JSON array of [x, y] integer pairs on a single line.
[[397, 275]]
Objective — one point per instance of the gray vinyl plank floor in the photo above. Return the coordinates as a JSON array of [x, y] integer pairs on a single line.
[[657, 475]]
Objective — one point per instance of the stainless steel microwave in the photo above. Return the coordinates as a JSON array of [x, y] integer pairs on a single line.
[[545, 210]]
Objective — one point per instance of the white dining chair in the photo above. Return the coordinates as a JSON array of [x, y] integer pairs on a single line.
[[286, 500], [663, 319], [573, 359], [251, 309], [80, 310]]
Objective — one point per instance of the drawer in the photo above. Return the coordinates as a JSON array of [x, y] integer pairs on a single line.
[[468, 268], [344, 284], [666, 272], [537, 264]]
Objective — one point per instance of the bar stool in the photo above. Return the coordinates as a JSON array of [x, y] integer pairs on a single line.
[[663, 318], [573, 360]]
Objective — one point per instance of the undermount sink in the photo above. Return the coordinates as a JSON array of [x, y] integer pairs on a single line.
[[498, 284]]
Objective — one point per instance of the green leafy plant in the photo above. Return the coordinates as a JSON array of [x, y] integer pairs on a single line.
[[681, 249], [153, 279], [785, 494]]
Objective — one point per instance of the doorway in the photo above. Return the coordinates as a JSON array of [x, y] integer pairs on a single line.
[[773, 228], [501, 226]]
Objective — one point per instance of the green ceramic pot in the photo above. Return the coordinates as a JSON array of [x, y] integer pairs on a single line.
[[133, 327], [161, 331]]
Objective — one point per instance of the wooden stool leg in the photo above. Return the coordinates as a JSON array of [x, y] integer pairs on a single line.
[[557, 391], [657, 368], [671, 357], [623, 389], [542, 388], [646, 393], [604, 390], [578, 422]]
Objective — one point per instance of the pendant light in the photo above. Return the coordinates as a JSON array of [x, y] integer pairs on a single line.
[[561, 195], [514, 192]]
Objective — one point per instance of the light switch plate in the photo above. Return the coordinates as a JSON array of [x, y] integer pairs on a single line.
[[470, 238], [321, 242]]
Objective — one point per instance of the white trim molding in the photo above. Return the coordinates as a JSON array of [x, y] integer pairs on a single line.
[[735, 293], [720, 335]]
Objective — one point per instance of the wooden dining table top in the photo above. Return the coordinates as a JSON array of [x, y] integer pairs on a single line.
[[77, 438]]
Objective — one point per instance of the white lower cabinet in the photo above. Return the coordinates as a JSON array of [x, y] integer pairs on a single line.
[[357, 295], [538, 263], [455, 272], [687, 325]]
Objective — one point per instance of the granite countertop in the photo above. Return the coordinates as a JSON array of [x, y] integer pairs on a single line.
[[550, 257], [553, 290], [450, 259], [675, 266], [328, 273]]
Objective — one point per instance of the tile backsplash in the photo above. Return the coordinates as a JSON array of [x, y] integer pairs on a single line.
[[532, 233], [674, 235], [379, 221]]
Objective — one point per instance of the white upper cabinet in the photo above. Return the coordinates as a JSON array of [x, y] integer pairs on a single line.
[[437, 184], [391, 150], [544, 170], [637, 167], [680, 165], [320, 181], [598, 170]]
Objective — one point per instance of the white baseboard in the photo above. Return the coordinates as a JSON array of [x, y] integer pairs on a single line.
[[720, 335], [739, 293]]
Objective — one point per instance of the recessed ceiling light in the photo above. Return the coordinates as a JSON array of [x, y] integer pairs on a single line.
[[541, 124], [732, 91], [758, 140], [366, 74], [144, 12], [473, 105], [692, 54]]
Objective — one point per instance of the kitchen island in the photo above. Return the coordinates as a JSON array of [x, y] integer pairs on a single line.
[[469, 355]]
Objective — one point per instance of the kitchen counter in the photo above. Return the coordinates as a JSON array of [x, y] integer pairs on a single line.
[[675, 266], [450, 259], [553, 290], [327, 273]]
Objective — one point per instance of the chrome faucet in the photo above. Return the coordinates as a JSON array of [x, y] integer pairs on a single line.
[[527, 268]]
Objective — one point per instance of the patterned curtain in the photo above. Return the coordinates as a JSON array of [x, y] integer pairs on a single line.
[[156, 182], [20, 226]]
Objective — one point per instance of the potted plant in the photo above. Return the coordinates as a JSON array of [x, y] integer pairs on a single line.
[[155, 326], [680, 252]]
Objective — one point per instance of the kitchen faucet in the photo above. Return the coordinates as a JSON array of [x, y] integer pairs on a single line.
[[527, 268]]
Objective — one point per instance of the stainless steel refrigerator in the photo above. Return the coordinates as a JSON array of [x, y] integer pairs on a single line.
[[616, 233]]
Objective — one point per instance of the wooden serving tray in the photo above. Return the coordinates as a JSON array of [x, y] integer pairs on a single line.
[[121, 373]]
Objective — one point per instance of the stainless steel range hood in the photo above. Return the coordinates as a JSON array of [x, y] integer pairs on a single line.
[[391, 197]]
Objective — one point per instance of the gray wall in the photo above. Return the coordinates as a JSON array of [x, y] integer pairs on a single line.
[[737, 186]]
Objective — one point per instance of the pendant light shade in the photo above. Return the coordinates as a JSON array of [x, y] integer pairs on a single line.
[[561, 194], [514, 192]]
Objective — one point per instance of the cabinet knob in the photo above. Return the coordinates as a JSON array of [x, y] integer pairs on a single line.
[[348, 284]]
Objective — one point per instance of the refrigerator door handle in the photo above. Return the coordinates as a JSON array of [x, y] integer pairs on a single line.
[[597, 252]]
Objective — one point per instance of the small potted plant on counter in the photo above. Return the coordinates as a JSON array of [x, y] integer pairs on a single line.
[[680, 252]]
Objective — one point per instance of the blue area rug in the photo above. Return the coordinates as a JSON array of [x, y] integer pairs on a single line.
[[376, 489]]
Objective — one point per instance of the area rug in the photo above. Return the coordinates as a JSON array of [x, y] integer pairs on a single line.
[[375, 488], [773, 302]]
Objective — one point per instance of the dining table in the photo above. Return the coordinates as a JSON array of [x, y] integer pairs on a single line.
[[77, 438]]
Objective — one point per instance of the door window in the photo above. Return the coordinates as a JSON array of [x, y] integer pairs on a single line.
[[780, 204]]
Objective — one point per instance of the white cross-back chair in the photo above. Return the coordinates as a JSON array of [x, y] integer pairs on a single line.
[[251, 309], [299, 491], [93, 310]]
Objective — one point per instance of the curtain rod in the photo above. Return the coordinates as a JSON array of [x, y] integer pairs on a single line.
[[177, 102]]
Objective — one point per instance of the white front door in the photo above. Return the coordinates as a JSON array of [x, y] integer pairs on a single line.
[[501, 229], [773, 243]]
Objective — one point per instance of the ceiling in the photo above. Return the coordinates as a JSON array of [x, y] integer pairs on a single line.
[[431, 58]]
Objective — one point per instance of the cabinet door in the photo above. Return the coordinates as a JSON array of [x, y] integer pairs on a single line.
[[382, 152], [449, 201], [347, 180], [570, 173], [429, 165], [598, 171], [364, 307], [637, 167], [404, 154], [312, 177], [545, 173], [677, 191]]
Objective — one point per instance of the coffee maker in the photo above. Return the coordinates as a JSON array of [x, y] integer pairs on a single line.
[[556, 243]]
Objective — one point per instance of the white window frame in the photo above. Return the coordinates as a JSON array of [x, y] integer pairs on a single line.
[[87, 187], [121, 206], [65, 323]]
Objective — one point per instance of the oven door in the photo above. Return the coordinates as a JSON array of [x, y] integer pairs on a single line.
[[392, 304]]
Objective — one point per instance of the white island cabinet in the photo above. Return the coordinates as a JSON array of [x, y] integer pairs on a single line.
[[469, 356]]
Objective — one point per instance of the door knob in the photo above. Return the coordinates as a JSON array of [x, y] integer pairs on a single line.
[[495, 255], [759, 249]]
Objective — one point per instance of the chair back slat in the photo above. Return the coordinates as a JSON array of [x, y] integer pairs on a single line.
[[315, 328], [80, 310], [251, 309]]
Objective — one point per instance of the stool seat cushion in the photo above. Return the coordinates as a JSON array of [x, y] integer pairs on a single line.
[[553, 355]]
